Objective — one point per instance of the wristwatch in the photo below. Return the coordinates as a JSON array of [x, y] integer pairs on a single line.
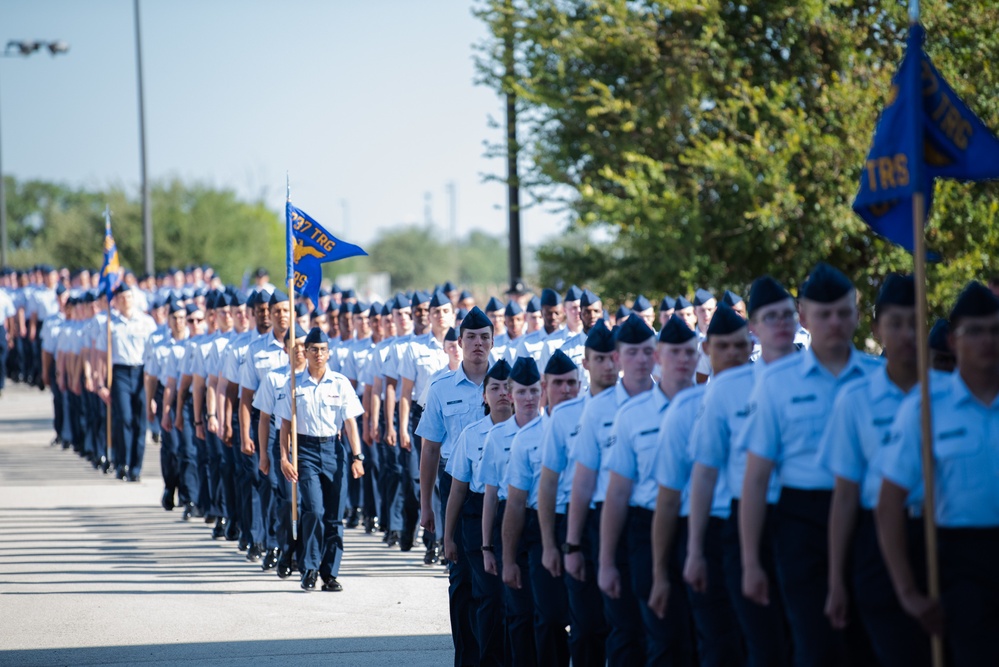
[[356, 457], [489, 548], [570, 548]]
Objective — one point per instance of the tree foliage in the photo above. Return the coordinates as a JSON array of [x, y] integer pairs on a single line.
[[710, 142]]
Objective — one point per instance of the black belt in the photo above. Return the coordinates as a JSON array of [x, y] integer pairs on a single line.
[[315, 439]]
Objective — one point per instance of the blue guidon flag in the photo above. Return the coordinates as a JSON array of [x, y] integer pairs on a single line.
[[111, 272], [310, 246], [925, 131]]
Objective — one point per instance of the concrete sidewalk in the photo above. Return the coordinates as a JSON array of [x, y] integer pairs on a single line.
[[93, 571]]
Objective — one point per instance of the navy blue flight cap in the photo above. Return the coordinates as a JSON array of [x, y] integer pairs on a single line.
[[728, 322], [825, 284], [400, 301], [316, 335], [633, 331], [461, 314], [525, 371], [494, 305], [550, 297], [559, 363], [386, 310], [301, 309], [668, 303], [277, 296], [476, 319], [938, 336], [174, 306], [253, 299], [730, 298], [499, 371], [975, 300], [622, 313], [702, 296], [335, 289], [897, 290], [237, 298], [122, 287], [451, 335], [358, 308], [333, 308], [60, 289], [348, 294], [375, 309], [418, 298], [573, 294], [438, 299], [675, 331], [765, 291], [465, 294], [448, 286], [534, 305], [512, 308], [641, 304], [600, 338], [299, 332], [192, 308], [587, 299], [682, 303]]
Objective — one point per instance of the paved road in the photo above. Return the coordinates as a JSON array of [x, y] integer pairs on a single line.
[[93, 571]]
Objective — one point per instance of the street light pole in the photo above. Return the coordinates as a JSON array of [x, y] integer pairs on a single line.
[[23, 48], [147, 214]]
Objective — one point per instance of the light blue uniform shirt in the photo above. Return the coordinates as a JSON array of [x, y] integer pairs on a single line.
[[634, 441], [213, 363], [717, 434], [235, 353], [423, 357], [358, 357], [594, 439], [453, 403], [496, 455], [50, 332], [396, 350], [266, 397], [965, 453], [675, 458], [262, 355], [46, 303], [791, 405], [524, 468], [534, 343], [859, 432], [500, 345], [467, 455], [561, 430], [574, 347], [170, 367], [320, 407], [128, 338]]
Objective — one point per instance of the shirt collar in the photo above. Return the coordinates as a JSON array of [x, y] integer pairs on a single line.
[[811, 364], [459, 376], [659, 399], [307, 377], [963, 395], [881, 385]]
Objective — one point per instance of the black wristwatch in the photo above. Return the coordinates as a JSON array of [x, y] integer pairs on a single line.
[[570, 548], [489, 548], [356, 457]]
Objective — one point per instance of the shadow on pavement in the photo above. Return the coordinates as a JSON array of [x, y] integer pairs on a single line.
[[412, 651]]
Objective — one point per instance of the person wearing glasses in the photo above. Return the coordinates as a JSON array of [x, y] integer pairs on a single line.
[[326, 410], [720, 462]]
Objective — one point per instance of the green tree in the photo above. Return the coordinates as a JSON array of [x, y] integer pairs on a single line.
[[711, 142]]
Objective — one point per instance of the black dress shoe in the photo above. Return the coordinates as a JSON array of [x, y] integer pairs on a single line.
[[309, 580], [432, 555], [188, 511], [218, 532], [210, 518], [232, 533], [354, 519], [284, 567], [331, 585], [104, 465], [254, 553], [371, 524], [167, 500], [56, 441], [270, 560], [392, 538], [242, 546], [134, 478]]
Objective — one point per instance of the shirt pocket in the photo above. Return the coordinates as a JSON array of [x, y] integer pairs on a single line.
[[805, 423], [959, 463], [646, 449]]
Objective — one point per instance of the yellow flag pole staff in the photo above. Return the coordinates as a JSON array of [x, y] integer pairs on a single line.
[[925, 131], [308, 246], [110, 277]]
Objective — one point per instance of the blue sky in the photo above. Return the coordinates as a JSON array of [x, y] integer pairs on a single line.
[[371, 102]]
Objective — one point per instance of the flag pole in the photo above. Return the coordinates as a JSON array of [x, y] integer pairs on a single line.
[[110, 367], [925, 412], [291, 360]]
